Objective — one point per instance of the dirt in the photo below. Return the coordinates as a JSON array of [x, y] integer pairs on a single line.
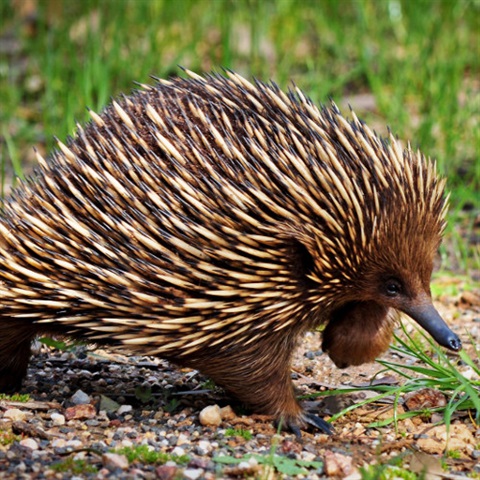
[[157, 405]]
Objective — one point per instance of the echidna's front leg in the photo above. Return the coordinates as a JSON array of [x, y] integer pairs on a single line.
[[15, 351], [260, 377]]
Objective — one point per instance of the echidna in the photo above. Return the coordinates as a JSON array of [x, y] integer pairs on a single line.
[[212, 221]]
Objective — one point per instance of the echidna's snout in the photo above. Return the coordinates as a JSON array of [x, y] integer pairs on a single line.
[[427, 317]]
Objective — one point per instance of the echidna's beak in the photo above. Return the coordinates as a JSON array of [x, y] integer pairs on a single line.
[[428, 318]]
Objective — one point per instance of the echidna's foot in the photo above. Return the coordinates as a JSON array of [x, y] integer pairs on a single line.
[[295, 425]]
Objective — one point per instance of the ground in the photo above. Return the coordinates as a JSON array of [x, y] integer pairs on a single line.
[[90, 412]]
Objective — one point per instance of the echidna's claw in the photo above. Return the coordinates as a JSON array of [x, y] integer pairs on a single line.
[[296, 425], [319, 423], [296, 430]]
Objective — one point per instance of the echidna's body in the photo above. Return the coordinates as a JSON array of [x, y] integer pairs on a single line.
[[210, 221]]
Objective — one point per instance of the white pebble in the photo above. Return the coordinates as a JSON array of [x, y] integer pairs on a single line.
[[29, 443], [308, 456], [16, 415], [178, 451], [210, 416], [182, 439], [205, 445], [57, 419], [192, 473], [124, 409], [468, 373], [74, 444], [58, 443]]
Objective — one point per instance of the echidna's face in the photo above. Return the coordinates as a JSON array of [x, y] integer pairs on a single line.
[[361, 329]]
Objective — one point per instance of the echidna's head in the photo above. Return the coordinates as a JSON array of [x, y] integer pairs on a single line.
[[372, 250]]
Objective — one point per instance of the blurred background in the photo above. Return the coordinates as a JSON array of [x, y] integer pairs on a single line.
[[412, 66]]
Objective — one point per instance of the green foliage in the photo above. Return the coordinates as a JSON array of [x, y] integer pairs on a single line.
[[452, 285], [281, 464], [58, 344], [436, 372], [75, 467], [8, 437], [388, 472], [145, 454], [238, 432], [455, 454], [278, 463], [15, 397], [208, 384], [144, 393]]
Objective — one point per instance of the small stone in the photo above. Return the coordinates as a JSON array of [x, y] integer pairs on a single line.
[[337, 465], [74, 444], [79, 398], [210, 416], [124, 409], [248, 464], [57, 419], [308, 456], [108, 405], [227, 413], [469, 373], [29, 443], [178, 451], [204, 445], [192, 473], [82, 411], [58, 443], [15, 415], [114, 460], [182, 439], [167, 472]]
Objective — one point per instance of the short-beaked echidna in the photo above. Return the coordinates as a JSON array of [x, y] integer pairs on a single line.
[[212, 221]]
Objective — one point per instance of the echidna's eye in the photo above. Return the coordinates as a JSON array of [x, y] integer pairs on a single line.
[[393, 288]]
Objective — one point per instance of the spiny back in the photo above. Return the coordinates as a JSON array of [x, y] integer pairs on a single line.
[[205, 202]]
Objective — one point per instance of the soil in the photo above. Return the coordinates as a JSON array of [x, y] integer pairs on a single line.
[[89, 409]]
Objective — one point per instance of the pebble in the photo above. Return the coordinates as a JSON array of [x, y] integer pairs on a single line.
[[16, 415], [114, 460], [178, 451], [211, 416], [58, 443], [29, 443], [80, 397], [192, 473], [57, 419], [248, 464], [204, 445], [124, 409], [227, 413], [182, 439]]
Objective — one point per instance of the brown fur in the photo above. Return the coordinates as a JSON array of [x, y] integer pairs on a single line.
[[358, 333]]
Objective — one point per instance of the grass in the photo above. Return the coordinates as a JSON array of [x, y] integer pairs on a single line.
[[431, 369], [74, 467], [16, 397], [147, 454], [239, 432]]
